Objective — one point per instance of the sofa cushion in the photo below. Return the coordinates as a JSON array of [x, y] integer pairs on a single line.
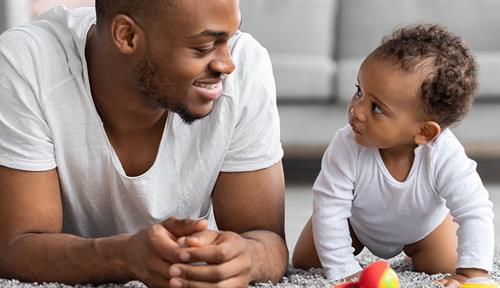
[[300, 38], [362, 24]]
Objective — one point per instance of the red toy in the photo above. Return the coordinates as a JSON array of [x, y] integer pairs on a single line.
[[376, 275]]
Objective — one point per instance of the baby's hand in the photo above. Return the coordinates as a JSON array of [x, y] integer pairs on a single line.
[[347, 281], [352, 278], [454, 280], [461, 276]]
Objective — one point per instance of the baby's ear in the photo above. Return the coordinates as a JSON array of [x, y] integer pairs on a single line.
[[428, 131]]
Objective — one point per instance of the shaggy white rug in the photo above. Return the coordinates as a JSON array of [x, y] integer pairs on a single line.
[[295, 278]]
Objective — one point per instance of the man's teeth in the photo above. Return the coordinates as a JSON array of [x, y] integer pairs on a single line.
[[208, 86]]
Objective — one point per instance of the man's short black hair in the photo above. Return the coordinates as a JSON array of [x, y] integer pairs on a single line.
[[143, 12]]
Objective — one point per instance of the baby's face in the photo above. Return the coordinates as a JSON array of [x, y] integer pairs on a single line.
[[385, 110]]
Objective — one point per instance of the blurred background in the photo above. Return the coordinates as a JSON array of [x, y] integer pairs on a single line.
[[317, 46]]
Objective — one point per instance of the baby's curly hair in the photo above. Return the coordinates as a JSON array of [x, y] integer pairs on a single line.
[[448, 90]]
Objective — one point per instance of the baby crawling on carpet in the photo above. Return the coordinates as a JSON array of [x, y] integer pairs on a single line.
[[396, 178]]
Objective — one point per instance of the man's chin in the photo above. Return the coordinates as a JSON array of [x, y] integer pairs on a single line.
[[189, 117]]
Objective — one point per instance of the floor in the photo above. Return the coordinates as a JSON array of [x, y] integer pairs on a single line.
[[299, 208]]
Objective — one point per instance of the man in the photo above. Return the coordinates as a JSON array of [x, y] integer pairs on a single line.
[[111, 127]]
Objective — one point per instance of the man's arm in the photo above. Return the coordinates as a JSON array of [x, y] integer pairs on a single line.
[[32, 247], [251, 206]]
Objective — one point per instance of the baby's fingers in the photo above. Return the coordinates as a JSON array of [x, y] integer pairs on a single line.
[[449, 282]]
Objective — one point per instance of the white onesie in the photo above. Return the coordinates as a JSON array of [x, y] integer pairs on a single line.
[[387, 214]]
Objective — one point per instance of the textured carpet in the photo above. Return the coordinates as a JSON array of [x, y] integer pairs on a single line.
[[297, 277]]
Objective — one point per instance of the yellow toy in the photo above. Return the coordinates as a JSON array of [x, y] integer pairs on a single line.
[[480, 282]]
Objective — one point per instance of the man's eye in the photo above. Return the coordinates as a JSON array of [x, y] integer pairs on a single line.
[[204, 51], [376, 109], [358, 91]]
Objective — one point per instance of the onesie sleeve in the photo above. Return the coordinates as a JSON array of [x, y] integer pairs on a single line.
[[467, 198], [255, 143], [25, 141], [332, 201]]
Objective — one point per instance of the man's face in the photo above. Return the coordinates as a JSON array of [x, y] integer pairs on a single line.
[[187, 56]]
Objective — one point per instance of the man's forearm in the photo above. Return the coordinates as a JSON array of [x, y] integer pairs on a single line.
[[270, 255], [64, 258]]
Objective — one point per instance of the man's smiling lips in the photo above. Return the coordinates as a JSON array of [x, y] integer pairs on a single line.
[[210, 89]]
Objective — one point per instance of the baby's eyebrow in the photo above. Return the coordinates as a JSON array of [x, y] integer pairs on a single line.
[[385, 106]]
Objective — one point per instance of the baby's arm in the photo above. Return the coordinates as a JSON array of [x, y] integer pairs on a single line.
[[333, 195], [466, 197]]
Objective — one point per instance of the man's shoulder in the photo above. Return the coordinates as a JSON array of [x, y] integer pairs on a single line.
[[47, 49], [253, 64], [50, 34], [244, 47], [22, 50], [20, 37]]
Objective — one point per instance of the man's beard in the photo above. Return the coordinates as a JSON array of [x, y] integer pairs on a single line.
[[154, 94]]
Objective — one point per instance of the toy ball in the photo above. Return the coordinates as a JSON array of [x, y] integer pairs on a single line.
[[378, 274]]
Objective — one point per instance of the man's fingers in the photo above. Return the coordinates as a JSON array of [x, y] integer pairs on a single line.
[[158, 266], [157, 281], [229, 283], [184, 227], [164, 243], [204, 238], [192, 241], [227, 263], [205, 273], [212, 254]]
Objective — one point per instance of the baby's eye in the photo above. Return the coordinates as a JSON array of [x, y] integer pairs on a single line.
[[376, 109], [358, 91]]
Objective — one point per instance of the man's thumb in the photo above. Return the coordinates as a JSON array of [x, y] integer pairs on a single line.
[[184, 227]]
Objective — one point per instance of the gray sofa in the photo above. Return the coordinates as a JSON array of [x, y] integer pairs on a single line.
[[317, 46]]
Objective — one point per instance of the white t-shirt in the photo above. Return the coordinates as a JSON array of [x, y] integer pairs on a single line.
[[48, 120], [387, 214]]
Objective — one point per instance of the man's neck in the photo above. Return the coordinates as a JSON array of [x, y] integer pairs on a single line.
[[120, 109]]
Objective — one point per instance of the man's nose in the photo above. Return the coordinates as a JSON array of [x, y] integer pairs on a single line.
[[223, 62]]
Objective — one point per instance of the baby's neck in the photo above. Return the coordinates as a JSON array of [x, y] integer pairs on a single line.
[[398, 161]]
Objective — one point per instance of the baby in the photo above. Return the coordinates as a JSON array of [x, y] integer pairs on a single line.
[[396, 178]]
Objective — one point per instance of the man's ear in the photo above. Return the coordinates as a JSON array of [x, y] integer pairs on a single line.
[[428, 131], [126, 34]]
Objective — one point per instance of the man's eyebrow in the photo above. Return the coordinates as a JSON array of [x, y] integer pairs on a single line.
[[214, 34]]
